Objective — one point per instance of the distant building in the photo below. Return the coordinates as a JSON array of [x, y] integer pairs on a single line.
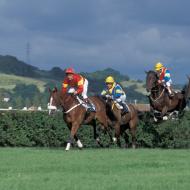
[[6, 99], [24, 108], [39, 108]]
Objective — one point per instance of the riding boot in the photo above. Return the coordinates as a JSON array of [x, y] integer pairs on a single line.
[[125, 108], [170, 91], [171, 95], [90, 106]]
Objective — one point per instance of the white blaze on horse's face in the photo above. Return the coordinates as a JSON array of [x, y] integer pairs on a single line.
[[51, 107]]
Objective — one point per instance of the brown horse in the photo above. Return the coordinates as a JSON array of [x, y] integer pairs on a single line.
[[160, 100], [122, 122], [75, 114]]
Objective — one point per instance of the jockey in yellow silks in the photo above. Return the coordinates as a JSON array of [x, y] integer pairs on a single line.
[[114, 90], [164, 76]]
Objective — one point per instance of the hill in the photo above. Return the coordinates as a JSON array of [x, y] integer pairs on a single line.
[[101, 75], [9, 82], [18, 77], [11, 65]]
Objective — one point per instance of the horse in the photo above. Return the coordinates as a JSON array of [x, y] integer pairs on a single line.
[[75, 114], [122, 122], [159, 98]]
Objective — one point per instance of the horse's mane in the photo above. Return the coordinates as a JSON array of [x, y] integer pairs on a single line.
[[66, 96], [108, 110], [151, 72], [101, 99], [184, 89]]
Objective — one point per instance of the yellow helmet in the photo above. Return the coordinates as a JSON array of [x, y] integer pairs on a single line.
[[109, 79], [158, 66]]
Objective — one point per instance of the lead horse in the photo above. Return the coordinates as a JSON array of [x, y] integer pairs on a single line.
[[75, 114], [159, 98]]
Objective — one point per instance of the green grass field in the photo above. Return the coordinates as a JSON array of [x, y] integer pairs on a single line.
[[55, 169]]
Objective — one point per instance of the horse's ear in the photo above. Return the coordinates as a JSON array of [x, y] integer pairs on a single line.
[[49, 89], [55, 89], [146, 72], [188, 77]]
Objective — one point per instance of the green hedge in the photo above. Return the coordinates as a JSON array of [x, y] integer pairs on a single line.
[[37, 129]]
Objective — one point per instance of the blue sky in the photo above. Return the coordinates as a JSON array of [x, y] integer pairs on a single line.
[[127, 35]]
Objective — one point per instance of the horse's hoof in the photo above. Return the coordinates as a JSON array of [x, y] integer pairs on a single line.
[[79, 144], [98, 140], [165, 118], [68, 146], [114, 139], [155, 119]]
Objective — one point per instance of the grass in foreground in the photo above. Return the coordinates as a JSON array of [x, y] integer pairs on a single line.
[[49, 169]]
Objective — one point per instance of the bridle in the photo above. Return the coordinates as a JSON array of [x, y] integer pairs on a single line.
[[52, 107], [155, 88]]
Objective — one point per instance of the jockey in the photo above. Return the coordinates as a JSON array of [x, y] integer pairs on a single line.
[[116, 92], [164, 77], [79, 83]]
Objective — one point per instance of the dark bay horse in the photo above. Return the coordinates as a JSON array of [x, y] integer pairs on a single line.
[[161, 101], [74, 114], [122, 122]]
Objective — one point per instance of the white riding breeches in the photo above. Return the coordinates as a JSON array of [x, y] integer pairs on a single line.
[[169, 83], [85, 89], [122, 98]]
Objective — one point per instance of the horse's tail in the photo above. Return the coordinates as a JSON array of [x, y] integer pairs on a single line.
[[186, 90]]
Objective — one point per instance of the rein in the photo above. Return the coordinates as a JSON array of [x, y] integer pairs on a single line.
[[75, 106], [155, 100], [72, 108]]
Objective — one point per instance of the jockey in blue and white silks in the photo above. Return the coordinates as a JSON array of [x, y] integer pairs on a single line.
[[116, 92], [164, 76]]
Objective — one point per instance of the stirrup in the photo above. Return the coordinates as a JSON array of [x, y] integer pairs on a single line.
[[171, 95], [90, 109], [125, 111]]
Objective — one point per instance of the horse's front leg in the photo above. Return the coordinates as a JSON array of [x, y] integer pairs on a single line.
[[74, 128], [163, 113], [96, 135], [117, 134]]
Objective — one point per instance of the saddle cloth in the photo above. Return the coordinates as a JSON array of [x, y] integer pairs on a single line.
[[84, 104]]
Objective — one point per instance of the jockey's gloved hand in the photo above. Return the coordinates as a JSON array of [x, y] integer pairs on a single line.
[[108, 96], [103, 97]]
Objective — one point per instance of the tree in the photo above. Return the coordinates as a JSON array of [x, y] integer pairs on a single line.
[[18, 102]]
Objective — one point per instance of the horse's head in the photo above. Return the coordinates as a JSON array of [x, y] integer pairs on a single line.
[[151, 80], [65, 100], [110, 105], [53, 100]]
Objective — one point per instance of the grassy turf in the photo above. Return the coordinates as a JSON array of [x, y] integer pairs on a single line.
[[49, 169]]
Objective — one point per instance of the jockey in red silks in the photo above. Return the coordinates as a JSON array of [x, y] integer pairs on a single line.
[[79, 83], [164, 77]]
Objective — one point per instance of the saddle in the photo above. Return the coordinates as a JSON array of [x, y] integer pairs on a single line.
[[175, 93], [123, 107], [88, 105]]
